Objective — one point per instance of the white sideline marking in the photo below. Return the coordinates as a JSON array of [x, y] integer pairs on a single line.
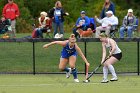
[[35, 85]]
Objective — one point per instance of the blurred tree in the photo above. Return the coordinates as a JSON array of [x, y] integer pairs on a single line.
[[30, 10], [23, 22], [36, 6], [2, 3], [86, 1], [128, 1]]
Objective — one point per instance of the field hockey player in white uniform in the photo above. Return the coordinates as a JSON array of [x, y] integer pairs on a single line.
[[115, 55]]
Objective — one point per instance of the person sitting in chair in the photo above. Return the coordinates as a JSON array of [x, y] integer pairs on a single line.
[[5, 25], [128, 24], [106, 23], [44, 25], [82, 22]]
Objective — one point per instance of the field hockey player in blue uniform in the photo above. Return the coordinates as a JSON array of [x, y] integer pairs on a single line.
[[69, 55]]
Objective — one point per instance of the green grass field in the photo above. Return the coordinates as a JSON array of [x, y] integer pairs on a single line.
[[59, 84]]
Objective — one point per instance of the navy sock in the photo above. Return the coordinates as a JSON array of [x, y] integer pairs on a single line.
[[66, 69], [74, 72]]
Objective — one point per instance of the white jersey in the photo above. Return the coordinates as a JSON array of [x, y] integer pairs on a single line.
[[113, 20], [117, 50]]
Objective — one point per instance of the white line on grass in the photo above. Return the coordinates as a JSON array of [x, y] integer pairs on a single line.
[[31, 85], [35, 85]]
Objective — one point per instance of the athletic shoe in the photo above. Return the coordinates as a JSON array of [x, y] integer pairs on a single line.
[[61, 35], [104, 81], [76, 80], [114, 79], [68, 73]]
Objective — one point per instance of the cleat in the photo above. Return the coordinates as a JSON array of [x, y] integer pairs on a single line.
[[68, 73], [76, 80], [114, 79], [104, 81]]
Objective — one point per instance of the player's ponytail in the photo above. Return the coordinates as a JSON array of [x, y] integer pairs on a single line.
[[72, 38], [103, 35]]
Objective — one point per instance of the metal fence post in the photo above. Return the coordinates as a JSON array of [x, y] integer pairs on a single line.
[[85, 54], [34, 58], [138, 68]]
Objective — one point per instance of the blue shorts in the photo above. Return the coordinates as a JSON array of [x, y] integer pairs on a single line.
[[66, 55]]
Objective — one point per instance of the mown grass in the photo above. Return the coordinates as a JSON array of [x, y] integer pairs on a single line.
[[59, 84]]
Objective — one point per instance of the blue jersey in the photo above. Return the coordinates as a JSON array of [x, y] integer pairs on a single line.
[[67, 51]]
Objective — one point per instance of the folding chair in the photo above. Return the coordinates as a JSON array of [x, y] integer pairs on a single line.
[[49, 30], [92, 24], [135, 27], [48, 33], [113, 31]]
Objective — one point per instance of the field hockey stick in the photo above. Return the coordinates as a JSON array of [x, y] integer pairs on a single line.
[[91, 74], [87, 67]]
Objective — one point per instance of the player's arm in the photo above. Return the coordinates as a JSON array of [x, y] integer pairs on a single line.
[[62, 43], [103, 52], [81, 54], [113, 47]]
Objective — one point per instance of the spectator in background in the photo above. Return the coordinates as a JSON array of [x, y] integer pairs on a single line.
[[108, 5], [44, 26], [106, 23], [57, 14], [11, 11], [44, 23], [128, 24], [82, 22], [5, 25]]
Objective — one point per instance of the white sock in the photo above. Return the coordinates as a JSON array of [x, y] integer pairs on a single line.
[[105, 72], [112, 70]]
